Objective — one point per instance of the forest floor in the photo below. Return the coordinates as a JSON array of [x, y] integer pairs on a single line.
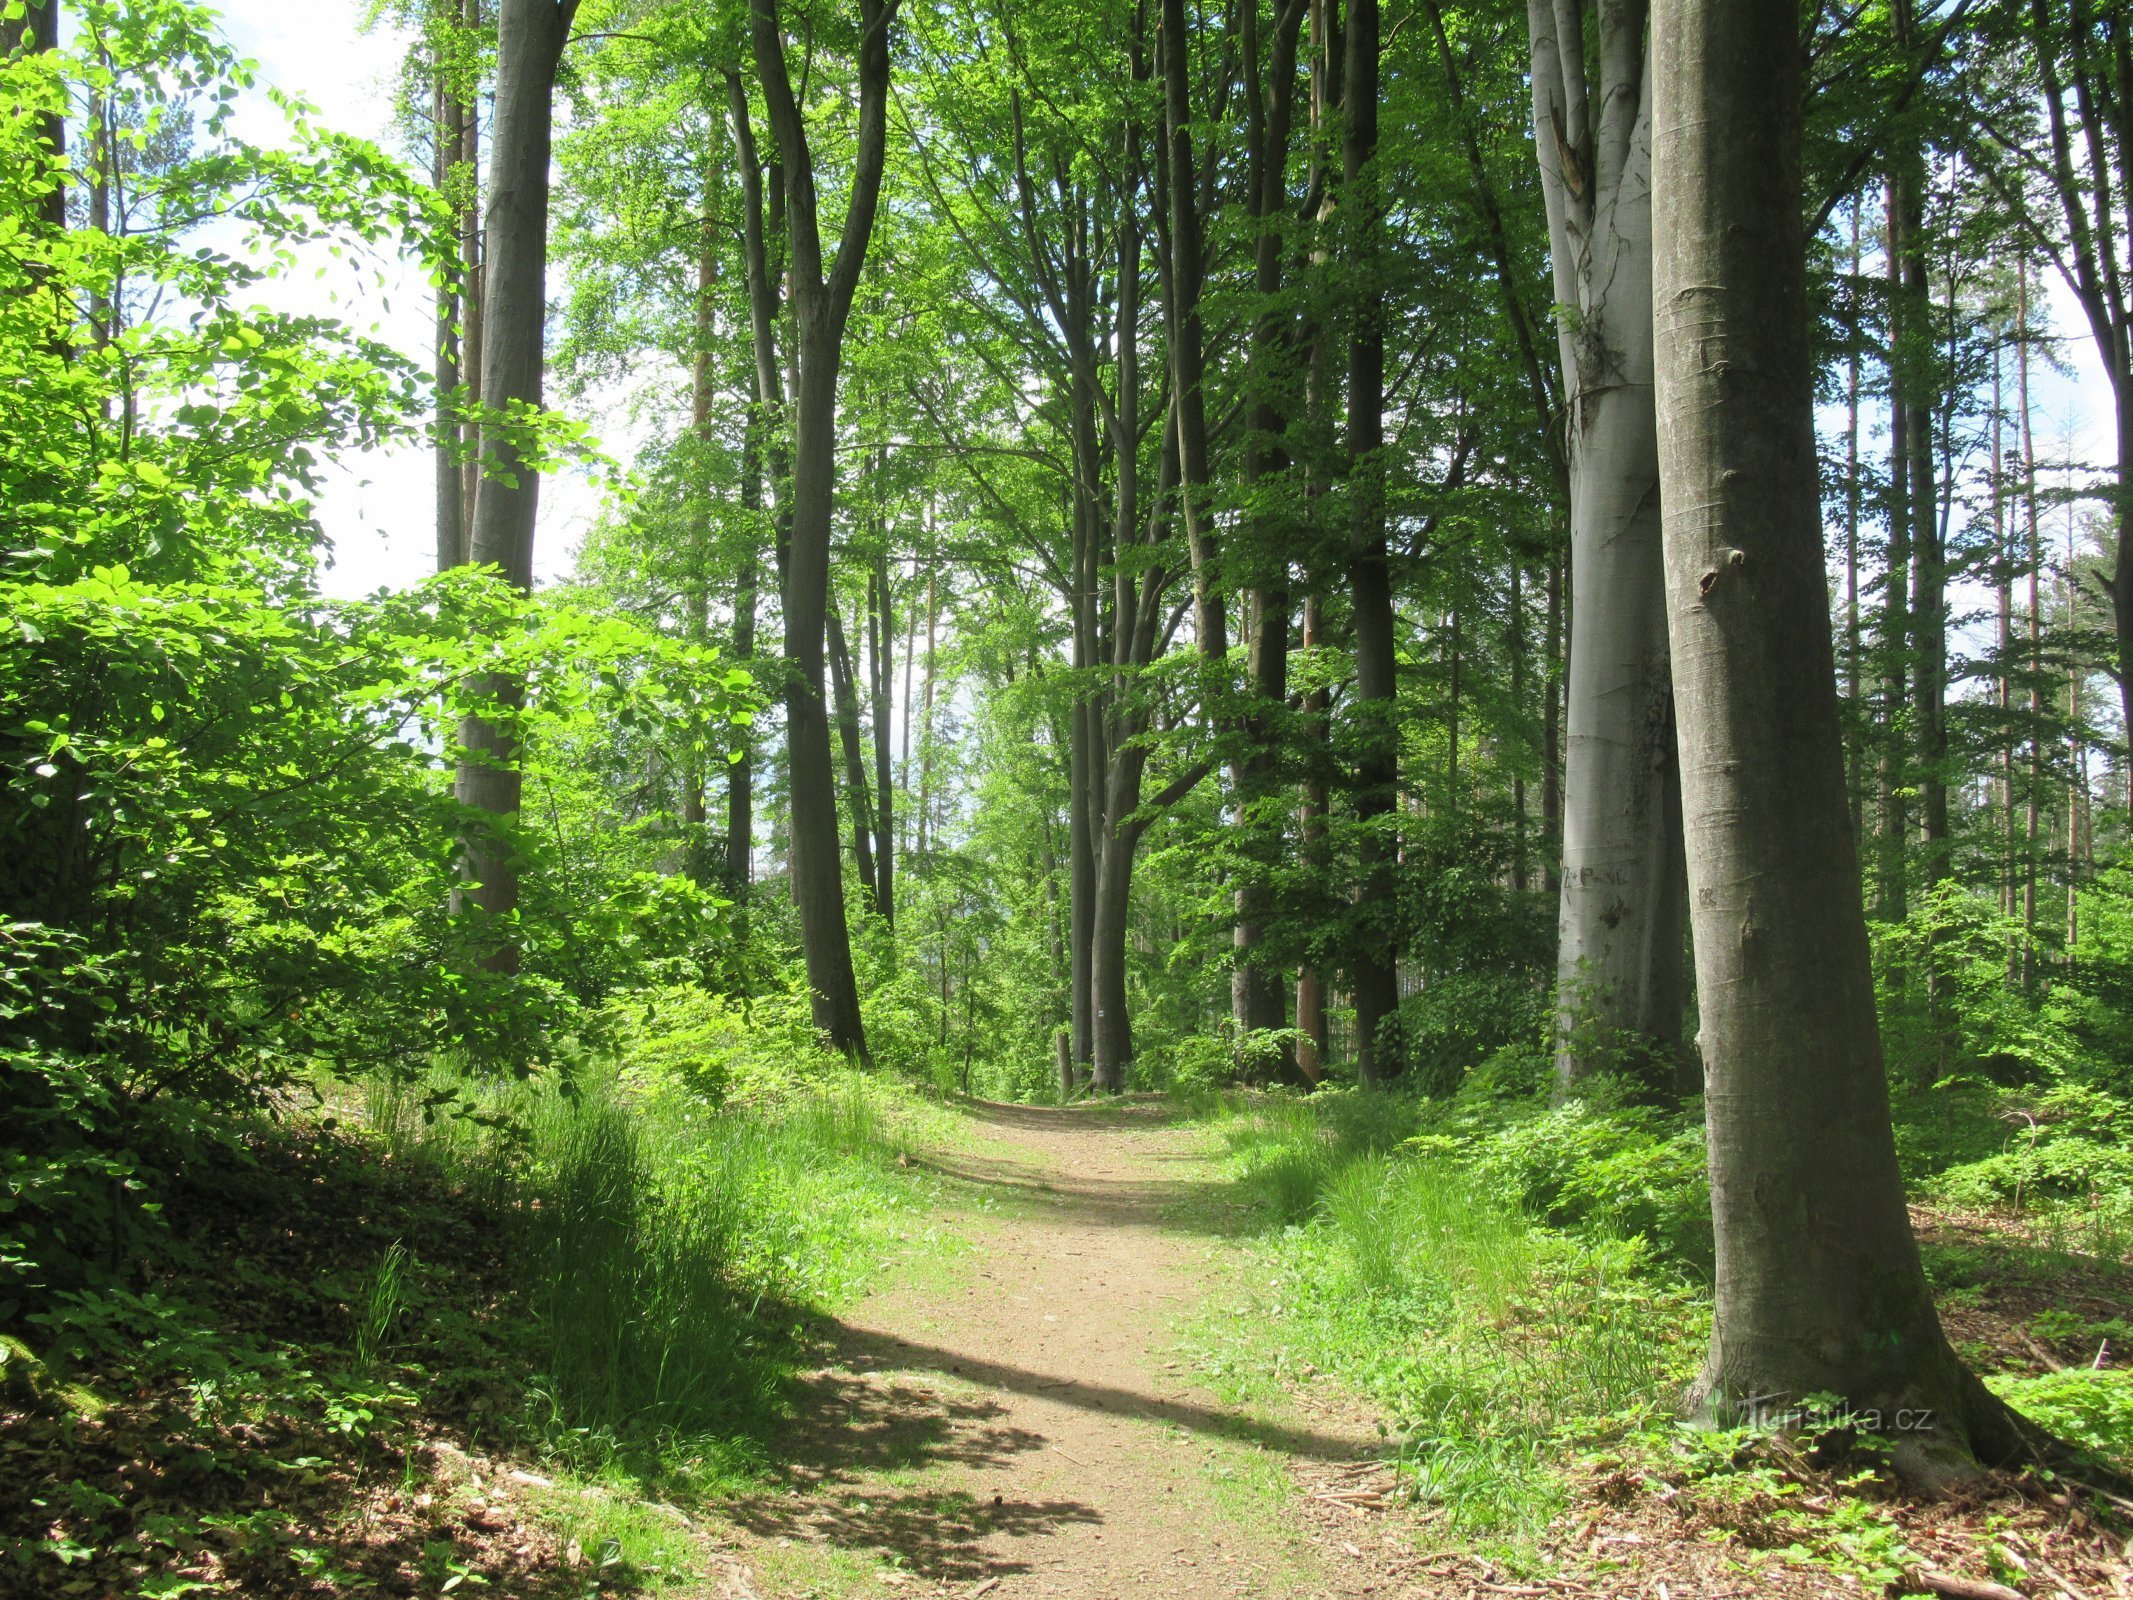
[[1022, 1423], [1027, 1422], [1024, 1405]]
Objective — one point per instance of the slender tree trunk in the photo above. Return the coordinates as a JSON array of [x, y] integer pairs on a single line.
[[881, 639], [447, 133], [903, 759], [473, 296], [1891, 869], [696, 584], [1369, 578], [740, 775], [1552, 734], [2031, 811], [1113, 1024], [2003, 656], [1853, 654], [1311, 830], [1819, 1286], [925, 728], [1913, 382], [844, 693], [1618, 960], [822, 300], [530, 40]]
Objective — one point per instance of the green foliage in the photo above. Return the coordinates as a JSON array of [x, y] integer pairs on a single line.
[[228, 837], [669, 1242], [2086, 1407], [1407, 1267]]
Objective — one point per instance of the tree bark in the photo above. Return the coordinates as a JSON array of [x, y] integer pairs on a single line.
[[844, 693], [881, 640], [530, 39], [1618, 964], [474, 18], [447, 135], [38, 29], [1257, 998], [821, 306], [1819, 1287], [1369, 577]]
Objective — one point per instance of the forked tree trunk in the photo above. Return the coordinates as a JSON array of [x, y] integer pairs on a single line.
[[530, 38], [1618, 964], [822, 301], [1819, 1287]]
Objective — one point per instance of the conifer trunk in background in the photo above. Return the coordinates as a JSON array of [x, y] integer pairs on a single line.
[[1913, 381], [1892, 872], [821, 306], [1369, 578], [1819, 1287], [1618, 961], [530, 39]]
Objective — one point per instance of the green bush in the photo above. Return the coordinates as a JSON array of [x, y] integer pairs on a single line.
[[2084, 1406]]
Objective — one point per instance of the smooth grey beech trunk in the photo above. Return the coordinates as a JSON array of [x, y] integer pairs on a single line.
[[530, 39], [1819, 1287], [1619, 922]]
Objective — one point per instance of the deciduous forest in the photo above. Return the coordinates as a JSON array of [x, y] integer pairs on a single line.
[[1332, 800]]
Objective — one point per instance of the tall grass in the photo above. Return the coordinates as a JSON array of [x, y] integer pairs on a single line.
[[665, 1249], [1497, 1344]]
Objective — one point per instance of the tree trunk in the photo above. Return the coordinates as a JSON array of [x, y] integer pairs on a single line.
[[696, 584], [530, 39], [1257, 1000], [821, 306], [881, 640], [1618, 962], [740, 773], [37, 28], [472, 259], [1113, 1026], [1369, 578], [1819, 1287], [447, 135], [1893, 884], [845, 694], [2032, 820]]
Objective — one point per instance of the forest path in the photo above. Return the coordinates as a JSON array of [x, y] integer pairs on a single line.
[[1017, 1427]]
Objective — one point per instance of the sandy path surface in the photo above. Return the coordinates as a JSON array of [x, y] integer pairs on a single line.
[[1021, 1430]]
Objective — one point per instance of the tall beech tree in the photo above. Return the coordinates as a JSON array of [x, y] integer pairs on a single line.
[[821, 306], [1619, 931], [1819, 1285], [530, 39]]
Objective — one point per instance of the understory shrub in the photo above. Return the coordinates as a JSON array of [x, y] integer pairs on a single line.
[[668, 1245]]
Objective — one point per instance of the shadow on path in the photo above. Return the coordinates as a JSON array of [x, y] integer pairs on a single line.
[[853, 1428], [862, 1350]]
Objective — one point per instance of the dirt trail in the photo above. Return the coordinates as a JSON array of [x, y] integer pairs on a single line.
[[1021, 1431]]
